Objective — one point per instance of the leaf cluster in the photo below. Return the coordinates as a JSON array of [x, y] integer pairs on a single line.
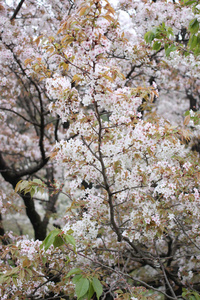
[[85, 285]]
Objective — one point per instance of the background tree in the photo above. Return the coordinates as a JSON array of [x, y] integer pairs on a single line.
[[27, 129]]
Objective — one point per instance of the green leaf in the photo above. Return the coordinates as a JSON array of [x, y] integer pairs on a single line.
[[166, 47], [196, 295], [97, 287], [58, 241], [82, 287], [13, 271], [14, 279], [18, 186], [193, 41], [193, 26], [170, 49], [70, 239], [187, 113], [186, 53], [3, 279], [73, 271], [149, 37], [21, 186], [32, 192], [163, 25], [197, 50], [189, 2], [40, 182], [156, 45], [190, 295], [105, 117], [76, 278], [90, 291], [49, 240], [170, 31]]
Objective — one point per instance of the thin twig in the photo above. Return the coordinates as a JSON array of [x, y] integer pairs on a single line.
[[181, 226], [164, 273]]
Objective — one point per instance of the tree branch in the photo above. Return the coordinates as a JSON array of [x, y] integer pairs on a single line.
[[17, 10], [19, 115], [10, 176], [164, 273]]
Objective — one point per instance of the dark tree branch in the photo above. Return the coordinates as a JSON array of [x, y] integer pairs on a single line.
[[42, 126], [132, 70], [41, 140], [151, 57], [10, 176], [164, 273], [116, 228], [17, 10], [19, 115], [182, 228], [4, 239], [193, 100], [56, 129], [33, 169], [116, 271], [2, 231], [35, 116], [53, 197]]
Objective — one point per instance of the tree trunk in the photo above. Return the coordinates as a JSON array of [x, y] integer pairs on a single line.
[[40, 227]]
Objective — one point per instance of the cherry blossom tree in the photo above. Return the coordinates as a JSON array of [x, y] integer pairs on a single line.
[[28, 131], [132, 226], [167, 27]]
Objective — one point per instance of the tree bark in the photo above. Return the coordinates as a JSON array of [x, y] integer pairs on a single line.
[[13, 178], [2, 231]]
